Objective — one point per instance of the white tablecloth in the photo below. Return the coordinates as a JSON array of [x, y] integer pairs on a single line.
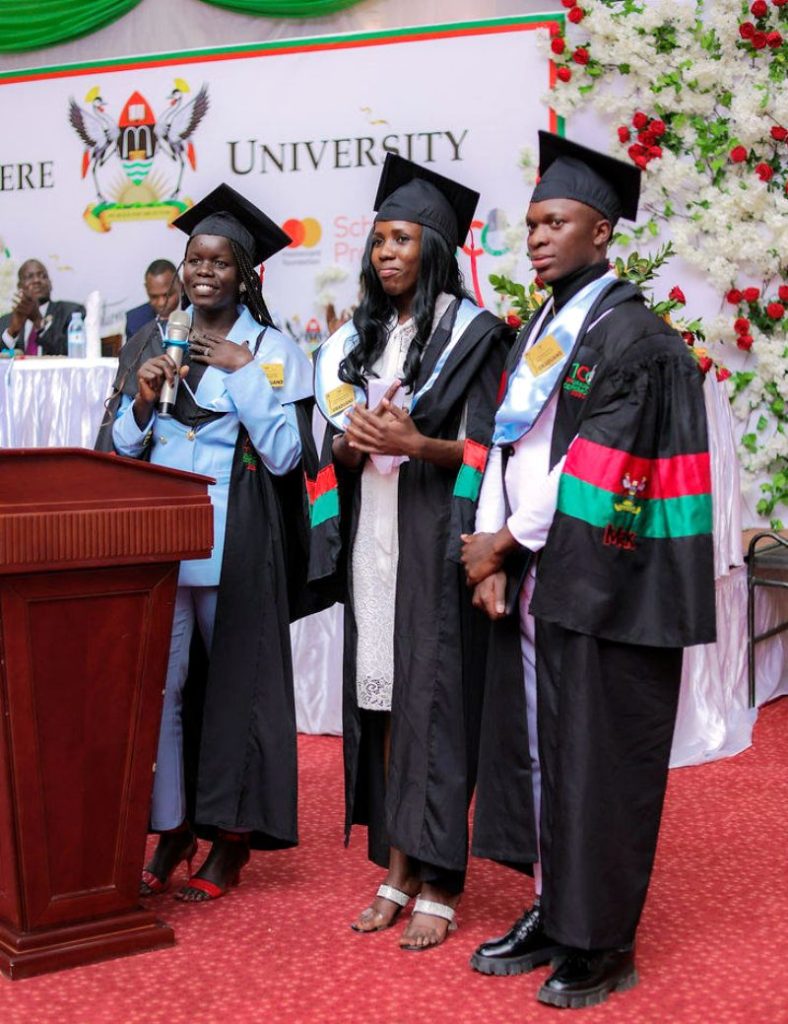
[[53, 402]]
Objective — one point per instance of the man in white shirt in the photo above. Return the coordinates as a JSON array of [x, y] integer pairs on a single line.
[[600, 470]]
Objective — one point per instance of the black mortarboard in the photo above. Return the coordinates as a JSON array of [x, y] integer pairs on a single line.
[[571, 171], [410, 192], [227, 213]]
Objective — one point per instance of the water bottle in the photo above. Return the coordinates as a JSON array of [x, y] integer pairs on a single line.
[[77, 341]]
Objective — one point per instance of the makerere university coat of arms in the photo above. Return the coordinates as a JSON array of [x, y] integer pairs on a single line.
[[142, 191]]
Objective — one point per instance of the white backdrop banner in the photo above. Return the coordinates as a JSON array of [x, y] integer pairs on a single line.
[[98, 159]]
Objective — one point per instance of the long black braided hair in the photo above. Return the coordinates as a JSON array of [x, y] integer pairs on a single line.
[[252, 295], [438, 272]]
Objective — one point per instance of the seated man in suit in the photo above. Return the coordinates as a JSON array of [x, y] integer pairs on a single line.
[[164, 295], [37, 325]]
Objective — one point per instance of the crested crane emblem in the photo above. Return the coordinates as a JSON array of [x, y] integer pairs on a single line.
[[634, 489], [137, 140]]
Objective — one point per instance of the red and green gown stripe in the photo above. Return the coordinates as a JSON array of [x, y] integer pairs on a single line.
[[469, 478], [323, 496], [673, 498]]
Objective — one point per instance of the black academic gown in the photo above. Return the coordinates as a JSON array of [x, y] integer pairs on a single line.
[[239, 708], [439, 639], [611, 621]]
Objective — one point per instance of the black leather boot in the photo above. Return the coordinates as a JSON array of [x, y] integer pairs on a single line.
[[587, 977], [524, 947]]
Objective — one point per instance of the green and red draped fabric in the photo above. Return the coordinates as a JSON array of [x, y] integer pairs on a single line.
[[323, 496], [469, 479], [611, 489], [629, 557]]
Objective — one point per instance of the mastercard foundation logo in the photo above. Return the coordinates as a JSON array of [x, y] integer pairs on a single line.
[[306, 232]]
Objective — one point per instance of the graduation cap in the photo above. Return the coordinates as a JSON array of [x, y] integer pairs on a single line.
[[571, 171], [410, 192], [227, 213]]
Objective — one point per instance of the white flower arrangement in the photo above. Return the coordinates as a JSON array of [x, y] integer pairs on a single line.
[[697, 97]]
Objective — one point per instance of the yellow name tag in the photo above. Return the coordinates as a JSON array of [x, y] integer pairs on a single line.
[[275, 372], [340, 398], [543, 355]]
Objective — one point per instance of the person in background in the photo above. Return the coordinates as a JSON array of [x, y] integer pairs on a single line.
[[226, 764], [599, 477], [430, 361], [37, 325], [164, 290]]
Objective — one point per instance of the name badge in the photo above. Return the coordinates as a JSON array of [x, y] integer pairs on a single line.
[[543, 355], [275, 372], [340, 398]]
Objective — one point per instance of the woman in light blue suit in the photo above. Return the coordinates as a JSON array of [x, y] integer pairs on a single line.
[[236, 419]]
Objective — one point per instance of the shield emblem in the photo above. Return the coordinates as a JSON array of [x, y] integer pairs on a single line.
[[137, 139]]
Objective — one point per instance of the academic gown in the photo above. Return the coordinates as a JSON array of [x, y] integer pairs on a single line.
[[618, 594], [439, 638], [239, 708]]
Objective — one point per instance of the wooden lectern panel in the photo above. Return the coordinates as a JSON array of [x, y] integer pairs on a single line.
[[81, 691]]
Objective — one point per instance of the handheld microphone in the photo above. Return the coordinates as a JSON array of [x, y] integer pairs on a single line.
[[175, 342]]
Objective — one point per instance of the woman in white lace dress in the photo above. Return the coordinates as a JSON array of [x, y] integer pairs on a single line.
[[430, 361]]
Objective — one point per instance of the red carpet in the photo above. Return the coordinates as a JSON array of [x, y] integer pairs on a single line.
[[713, 945]]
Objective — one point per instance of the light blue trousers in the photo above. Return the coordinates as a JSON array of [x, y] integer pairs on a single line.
[[192, 604]]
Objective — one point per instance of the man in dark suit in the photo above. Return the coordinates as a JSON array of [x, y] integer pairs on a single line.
[[36, 325], [164, 295]]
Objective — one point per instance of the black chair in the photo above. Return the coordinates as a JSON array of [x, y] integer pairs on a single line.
[[767, 566]]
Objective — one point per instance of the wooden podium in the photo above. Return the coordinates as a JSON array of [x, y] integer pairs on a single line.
[[89, 552]]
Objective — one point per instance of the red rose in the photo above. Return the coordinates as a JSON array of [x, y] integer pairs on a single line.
[[741, 325], [657, 127], [738, 154], [759, 40], [723, 373], [558, 45], [759, 8], [782, 291], [637, 154], [734, 296], [747, 30], [647, 138], [576, 15], [554, 29], [564, 74], [774, 39], [539, 283], [751, 294], [764, 171], [677, 295], [778, 133], [744, 342], [581, 55], [624, 134], [513, 320], [779, 3], [640, 120], [775, 310], [569, 3], [705, 364], [689, 337], [655, 152]]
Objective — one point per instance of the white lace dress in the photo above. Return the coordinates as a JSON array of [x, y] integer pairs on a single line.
[[376, 549]]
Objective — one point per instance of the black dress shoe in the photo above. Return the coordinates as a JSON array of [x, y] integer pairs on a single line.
[[524, 947], [587, 977]]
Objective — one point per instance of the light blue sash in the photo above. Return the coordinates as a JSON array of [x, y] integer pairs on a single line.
[[333, 398], [527, 391], [466, 314]]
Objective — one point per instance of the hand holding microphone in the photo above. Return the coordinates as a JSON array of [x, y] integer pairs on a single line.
[[175, 344]]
